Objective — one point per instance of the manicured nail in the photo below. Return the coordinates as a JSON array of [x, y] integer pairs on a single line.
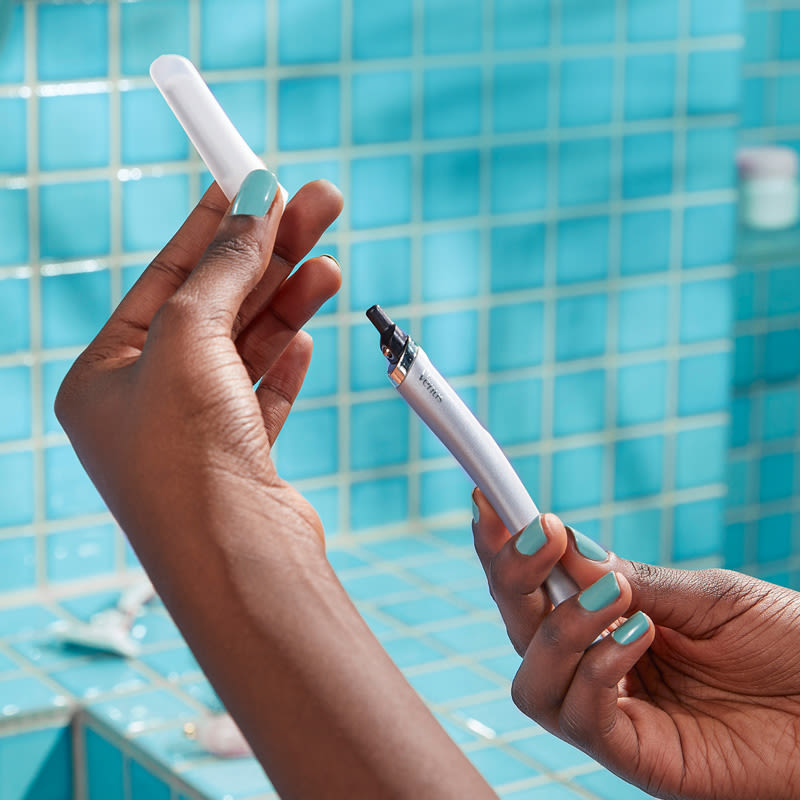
[[632, 629], [332, 258], [601, 593], [532, 539], [587, 547], [476, 512], [256, 194]]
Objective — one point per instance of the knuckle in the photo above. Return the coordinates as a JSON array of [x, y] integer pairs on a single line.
[[643, 573], [173, 274], [245, 247], [522, 696], [502, 573], [592, 672], [572, 725], [718, 584], [220, 317], [495, 574], [550, 636], [518, 639], [253, 371], [733, 588], [64, 405], [175, 313]]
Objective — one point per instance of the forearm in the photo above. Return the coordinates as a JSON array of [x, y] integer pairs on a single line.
[[326, 711], [162, 413]]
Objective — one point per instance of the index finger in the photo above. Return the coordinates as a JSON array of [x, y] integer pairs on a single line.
[[170, 268], [304, 220]]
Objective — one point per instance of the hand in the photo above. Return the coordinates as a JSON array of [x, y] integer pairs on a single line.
[[160, 407], [700, 699], [162, 413]]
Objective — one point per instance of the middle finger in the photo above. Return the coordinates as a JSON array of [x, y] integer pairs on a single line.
[[296, 300], [307, 216]]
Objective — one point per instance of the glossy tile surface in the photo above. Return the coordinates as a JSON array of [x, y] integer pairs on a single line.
[[530, 186]]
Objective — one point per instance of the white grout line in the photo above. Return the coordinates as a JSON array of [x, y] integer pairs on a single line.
[[36, 320], [418, 147], [666, 538]]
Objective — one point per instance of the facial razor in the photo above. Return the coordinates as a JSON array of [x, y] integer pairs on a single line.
[[226, 154], [109, 630], [438, 405]]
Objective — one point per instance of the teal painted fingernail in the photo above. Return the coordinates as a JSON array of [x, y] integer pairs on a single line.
[[601, 593], [632, 629], [587, 547], [476, 512], [532, 538], [256, 193]]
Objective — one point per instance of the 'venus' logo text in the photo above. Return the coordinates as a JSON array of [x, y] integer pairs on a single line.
[[431, 389]]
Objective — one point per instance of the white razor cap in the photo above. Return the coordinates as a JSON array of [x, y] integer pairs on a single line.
[[226, 154]]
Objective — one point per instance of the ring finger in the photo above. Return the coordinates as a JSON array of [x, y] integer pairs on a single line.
[[294, 303]]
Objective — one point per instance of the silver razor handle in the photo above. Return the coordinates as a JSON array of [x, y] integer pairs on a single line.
[[439, 406]]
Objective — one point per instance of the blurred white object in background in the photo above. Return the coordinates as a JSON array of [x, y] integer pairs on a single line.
[[110, 630], [219, 735], [768, 188]]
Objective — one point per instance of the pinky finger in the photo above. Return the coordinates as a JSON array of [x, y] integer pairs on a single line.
[[590, 715], [280, 386]]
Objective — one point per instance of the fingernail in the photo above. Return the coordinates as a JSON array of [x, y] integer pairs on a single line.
[[532, 539], [587, 547], [256, 194], [632, 629], [476, 512], [601, 593], [332, 258]]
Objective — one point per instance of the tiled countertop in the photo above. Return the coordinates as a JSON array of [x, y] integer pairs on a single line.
[[424, 597]]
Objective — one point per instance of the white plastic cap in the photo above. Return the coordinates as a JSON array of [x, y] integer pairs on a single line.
[[767, 162], [226, 154]]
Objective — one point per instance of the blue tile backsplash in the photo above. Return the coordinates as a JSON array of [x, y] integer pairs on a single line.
[[762, 519], [541, 191]]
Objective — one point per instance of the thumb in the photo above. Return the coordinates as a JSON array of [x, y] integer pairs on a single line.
[[236, 259], [691, 601], [685, 600]]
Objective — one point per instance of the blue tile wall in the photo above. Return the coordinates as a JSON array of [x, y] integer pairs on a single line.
[[145, 109], [71, 41], [518, 92], [14, 209], [80, 553], [74, 131], [104, 767], [16, 487], [761, 532], [18, 563], [381, 106], [75, 219], [37, 765], [152, 210], [227, 44], [149, 28], [650, 86], [540, 190], [451, 184], [69, 491], [74, 307], [13, 117]]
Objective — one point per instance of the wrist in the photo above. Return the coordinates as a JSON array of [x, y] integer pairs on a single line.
[[230, 519]]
